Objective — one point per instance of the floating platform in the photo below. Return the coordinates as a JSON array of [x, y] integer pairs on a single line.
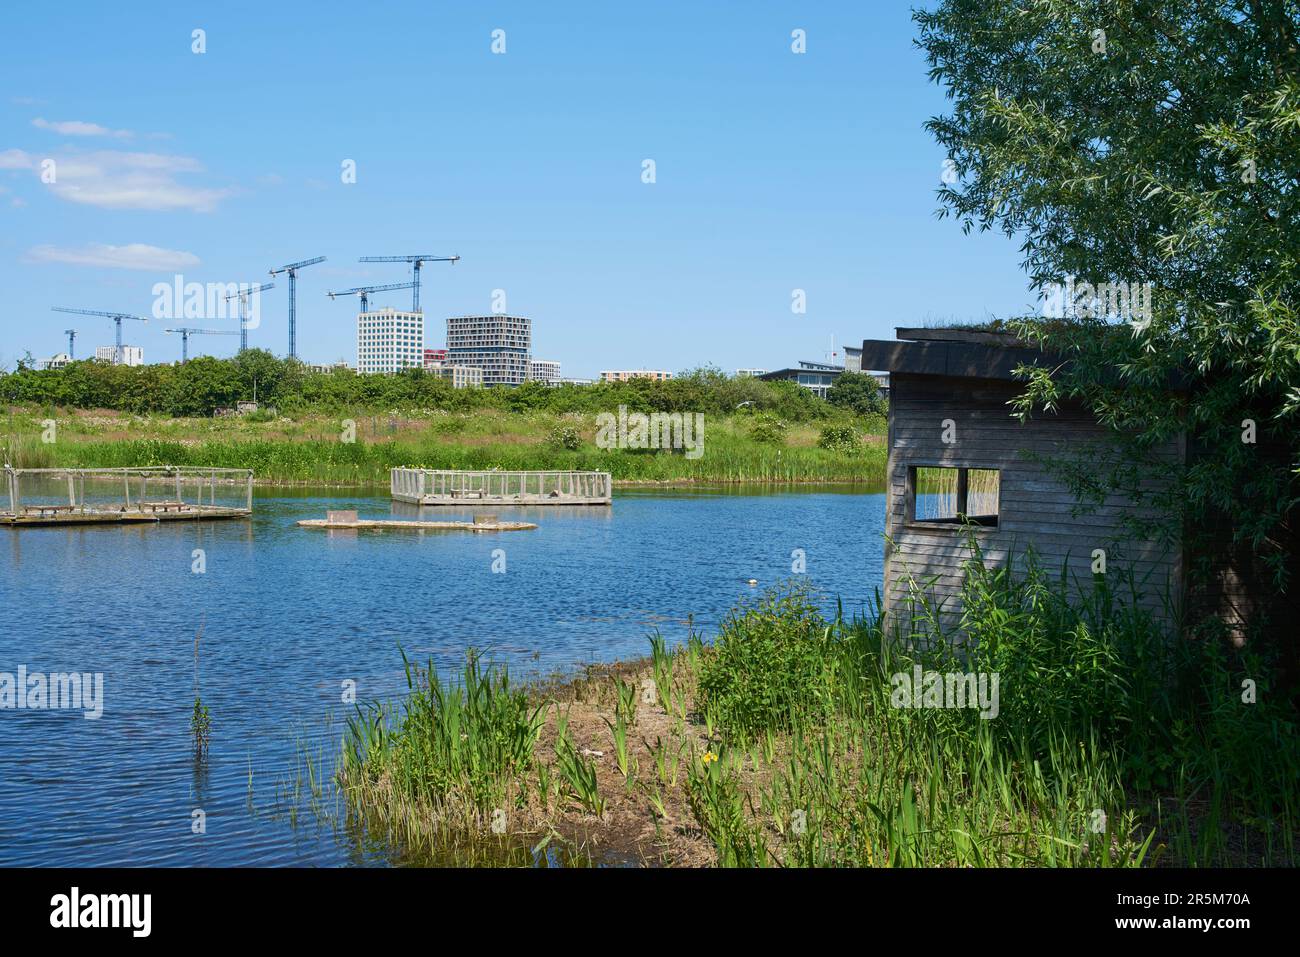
[[122, 516], [349, 520], [92, 506], [439, 487]]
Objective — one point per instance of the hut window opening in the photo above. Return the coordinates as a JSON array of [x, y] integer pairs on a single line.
[[953, 496]]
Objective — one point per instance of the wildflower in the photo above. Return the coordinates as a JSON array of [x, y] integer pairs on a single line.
[[709, 756]]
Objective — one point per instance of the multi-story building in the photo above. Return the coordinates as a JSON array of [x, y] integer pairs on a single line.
[[460, 377], [389, 340], [499, 345], [624, 375], [544, 370], [816, 377], [130, 356], [751, 373], [57, 361], [433, 356]]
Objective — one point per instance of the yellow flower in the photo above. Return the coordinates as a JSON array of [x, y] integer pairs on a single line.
[[709, 756]]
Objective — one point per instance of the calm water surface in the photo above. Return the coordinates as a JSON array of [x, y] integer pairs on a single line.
[[289, 614]]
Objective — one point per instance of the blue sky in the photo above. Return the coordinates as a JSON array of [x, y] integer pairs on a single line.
[[775, 171]]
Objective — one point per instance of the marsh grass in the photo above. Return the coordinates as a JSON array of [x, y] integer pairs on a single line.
[[312, 450]]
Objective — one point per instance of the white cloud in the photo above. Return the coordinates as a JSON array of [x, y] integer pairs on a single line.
[[115, 180], [131, 256], [79, 128], [16, 159]]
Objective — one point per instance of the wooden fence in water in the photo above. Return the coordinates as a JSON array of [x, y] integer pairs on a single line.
[[442, 487], [162, 493]]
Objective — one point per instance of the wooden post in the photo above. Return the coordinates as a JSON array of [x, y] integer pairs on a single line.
[[250, 491], [13, 491], [81, 482], [72, 492], [126, 488], [178, 486]]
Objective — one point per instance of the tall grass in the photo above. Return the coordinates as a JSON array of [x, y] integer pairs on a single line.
[[457, 749], [314, 451], [1112, 741]]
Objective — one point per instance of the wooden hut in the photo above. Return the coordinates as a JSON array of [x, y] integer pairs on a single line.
[[961, 465]]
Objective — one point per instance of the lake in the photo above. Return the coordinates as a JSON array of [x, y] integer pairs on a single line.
[[289, 615]]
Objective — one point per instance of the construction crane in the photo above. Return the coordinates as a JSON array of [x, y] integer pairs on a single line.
[[415, 262], [243, 317], [117, 318], [292, 270], [72, 336], [186, 333], [365, 291]]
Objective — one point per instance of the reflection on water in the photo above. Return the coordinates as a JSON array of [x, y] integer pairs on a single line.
[[289, 615]]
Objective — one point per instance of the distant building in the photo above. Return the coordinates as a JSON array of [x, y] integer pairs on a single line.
[[131, 355], [434, 355], [498, 345], [852, 359], [58, 361], [750, 373], [816, 377], [329, 366], [544, 370], [388, 340], [625, 375], [460, 377], [573, 381]]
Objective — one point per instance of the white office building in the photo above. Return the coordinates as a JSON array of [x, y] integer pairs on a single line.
[[544, 370], [56, 361], [388, 340], [131, 355], [460, 377]]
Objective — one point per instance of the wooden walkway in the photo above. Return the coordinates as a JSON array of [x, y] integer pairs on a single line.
[[437, 487]]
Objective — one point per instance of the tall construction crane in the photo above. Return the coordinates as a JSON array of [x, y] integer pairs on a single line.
[[242, 296], [117, 318], [365, 291], [292, 270], [186, 333], [72, 337], [415, 262]]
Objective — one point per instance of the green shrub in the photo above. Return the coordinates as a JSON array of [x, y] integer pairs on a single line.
[[768, 429], [839, 438], [768, 665], [565, 437]]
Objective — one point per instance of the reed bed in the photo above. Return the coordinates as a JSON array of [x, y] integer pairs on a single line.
[[314, 452]]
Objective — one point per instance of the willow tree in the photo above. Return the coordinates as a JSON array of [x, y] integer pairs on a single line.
[[1148, 142]]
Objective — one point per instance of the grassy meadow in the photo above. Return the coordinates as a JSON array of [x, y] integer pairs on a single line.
[[313, 449]]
